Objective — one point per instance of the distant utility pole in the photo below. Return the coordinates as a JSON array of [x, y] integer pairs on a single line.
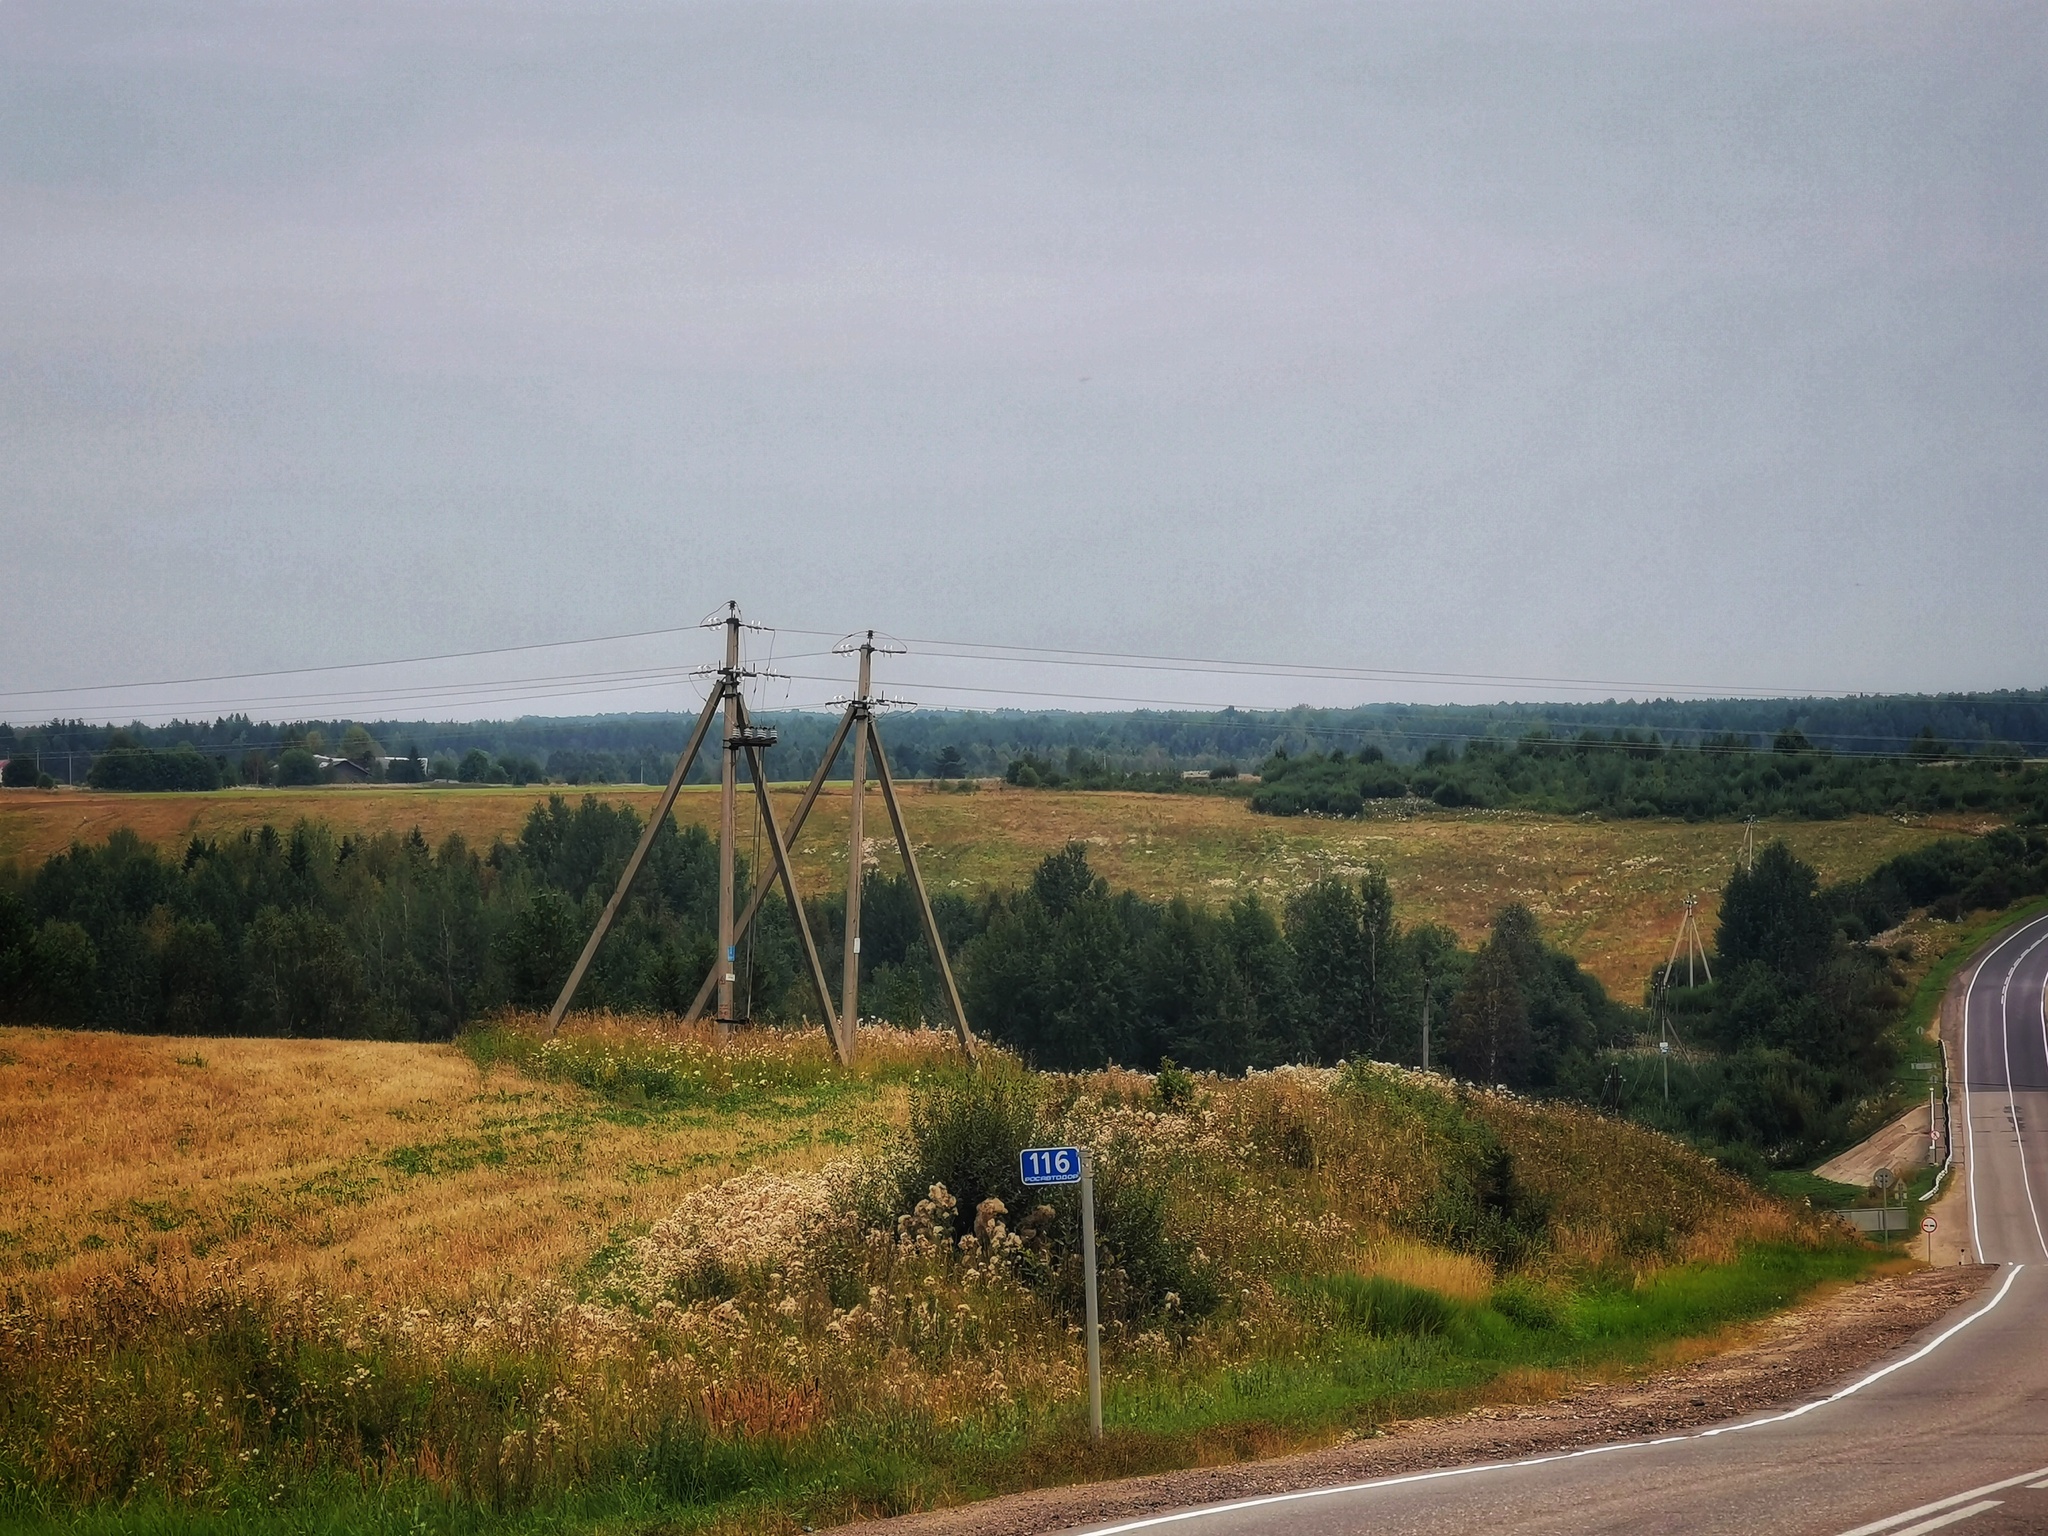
[[1695, 951], [739, 741], [1749, 842], [859, 722], [861, 708]]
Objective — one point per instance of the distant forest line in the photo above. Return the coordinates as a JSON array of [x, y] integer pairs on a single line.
[[1702, 759]]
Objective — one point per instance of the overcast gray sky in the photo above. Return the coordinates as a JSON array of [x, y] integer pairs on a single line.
[[1662, 344]]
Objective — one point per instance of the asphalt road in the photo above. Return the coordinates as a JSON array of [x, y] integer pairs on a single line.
[[1950, 1435]]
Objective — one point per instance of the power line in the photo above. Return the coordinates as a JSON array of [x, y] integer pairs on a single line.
[[346, 666], [1004, 652]]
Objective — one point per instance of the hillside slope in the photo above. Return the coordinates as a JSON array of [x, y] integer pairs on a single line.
[[628, 1278]]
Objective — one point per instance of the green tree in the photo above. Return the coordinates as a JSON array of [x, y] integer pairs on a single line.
[[1772, 914], [63, 972], [540, 947], [296, 766], [360, 747], [1487, 1032], [304, 976]]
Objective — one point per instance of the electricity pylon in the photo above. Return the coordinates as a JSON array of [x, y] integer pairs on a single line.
[[859, 722], [740, 741]]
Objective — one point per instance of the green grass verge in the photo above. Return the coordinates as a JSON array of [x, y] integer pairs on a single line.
[[1964, 941], [1822, 1194], [1383, 1354]]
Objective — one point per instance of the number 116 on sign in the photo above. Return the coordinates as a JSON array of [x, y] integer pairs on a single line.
[[1050, 1165]]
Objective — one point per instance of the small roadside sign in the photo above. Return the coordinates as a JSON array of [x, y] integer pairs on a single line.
[[1050, 1165], [1928, 1225], [1882, 1179], [1070, 1165]]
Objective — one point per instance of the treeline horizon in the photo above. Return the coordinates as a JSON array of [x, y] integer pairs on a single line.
[[641, 748]]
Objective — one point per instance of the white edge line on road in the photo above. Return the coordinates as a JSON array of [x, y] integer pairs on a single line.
[[1969, 1115], [1940, 1520], [2012, 1106], [1149, 1521]]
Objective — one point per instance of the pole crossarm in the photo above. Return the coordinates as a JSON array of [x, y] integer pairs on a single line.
[[611, 908]]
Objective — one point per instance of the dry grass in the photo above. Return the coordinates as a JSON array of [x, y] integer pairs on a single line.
[[1463, 1277], [1608, 891], [382, 1170]]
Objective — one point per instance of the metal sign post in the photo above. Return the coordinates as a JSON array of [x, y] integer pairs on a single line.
[[1928, 1226], [1075, 1165], [1882, 1182]]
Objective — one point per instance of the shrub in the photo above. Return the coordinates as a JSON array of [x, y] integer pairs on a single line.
[[1528, 1305], [966, 1134], [1175, 1086]]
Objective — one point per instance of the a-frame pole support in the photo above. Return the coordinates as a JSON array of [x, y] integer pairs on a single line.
[[764, 880], [611, 908], [842, 1048], [924, 905]]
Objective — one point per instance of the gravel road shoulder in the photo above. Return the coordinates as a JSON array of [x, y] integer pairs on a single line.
[[1793, 1355]]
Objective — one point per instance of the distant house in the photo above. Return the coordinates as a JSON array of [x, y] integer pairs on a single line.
[[342, 770]]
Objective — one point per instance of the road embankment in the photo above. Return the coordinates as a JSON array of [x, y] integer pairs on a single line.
[[1822, 1341]]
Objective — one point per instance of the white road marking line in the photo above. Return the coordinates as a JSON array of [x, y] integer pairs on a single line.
[[1969, 1114], [2042, 1484], [1889, 1521], [1940, 1520], [2012, 1274], [2011, 1103]]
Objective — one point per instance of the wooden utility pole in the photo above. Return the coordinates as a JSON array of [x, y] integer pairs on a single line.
[[728, 830], [1696, 950], [740, 739], [856, 849]]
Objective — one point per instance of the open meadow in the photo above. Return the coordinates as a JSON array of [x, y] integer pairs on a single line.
[[631, 1280], [1609, 892]]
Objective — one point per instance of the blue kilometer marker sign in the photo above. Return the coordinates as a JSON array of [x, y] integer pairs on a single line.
[[1069, 1165], [1050, 1165]]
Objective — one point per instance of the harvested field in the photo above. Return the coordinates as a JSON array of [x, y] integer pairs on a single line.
[[381, 1170], [1607, 891]]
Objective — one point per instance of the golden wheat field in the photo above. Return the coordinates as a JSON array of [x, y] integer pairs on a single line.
[[382, 1170], [1610, 892]]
